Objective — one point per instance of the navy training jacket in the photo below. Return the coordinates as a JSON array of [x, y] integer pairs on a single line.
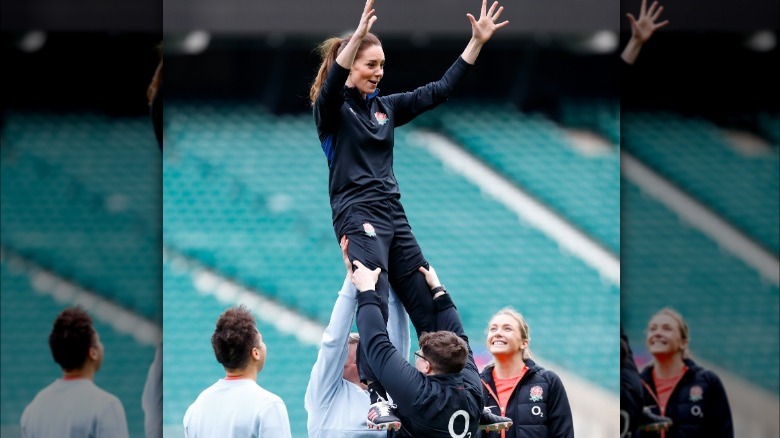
[[538, 406], [698, 405]]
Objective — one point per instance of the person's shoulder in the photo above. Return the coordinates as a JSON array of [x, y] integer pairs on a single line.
[[707, 375], [548, 375], [267, 395]]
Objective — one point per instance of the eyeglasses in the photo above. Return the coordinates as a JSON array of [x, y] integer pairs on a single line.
[[418, 354]]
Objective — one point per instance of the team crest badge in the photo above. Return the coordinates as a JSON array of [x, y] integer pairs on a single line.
[[696, 393], [380, 117], [369, 229], [536, 393]]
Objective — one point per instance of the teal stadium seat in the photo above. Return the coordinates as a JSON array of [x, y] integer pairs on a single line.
[[693, 154], [732, 313], [533, 152], [79, 196]]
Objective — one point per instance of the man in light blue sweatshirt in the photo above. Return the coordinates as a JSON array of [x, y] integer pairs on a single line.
[[335, 400]]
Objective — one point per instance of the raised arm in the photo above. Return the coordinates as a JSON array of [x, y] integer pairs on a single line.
[[393, 371], [398, 325], [642, 29], [328, 370], [447, 318], [482, 29], [347, 56]]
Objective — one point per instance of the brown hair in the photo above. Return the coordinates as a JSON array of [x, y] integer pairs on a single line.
[[154, 85], [234, 338], [525, 331], [446, 351], [329, 50], [681, 324]]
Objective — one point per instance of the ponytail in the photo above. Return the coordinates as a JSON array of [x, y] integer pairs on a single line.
[[329, 50]]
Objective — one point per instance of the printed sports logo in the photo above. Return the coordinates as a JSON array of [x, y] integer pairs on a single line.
[[369, 229], [380, 117], [696, 393], [536, 393]]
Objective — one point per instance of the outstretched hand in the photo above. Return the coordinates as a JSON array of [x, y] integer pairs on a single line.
[[363, 278], [367, 20], [642, 29], [482, 29]]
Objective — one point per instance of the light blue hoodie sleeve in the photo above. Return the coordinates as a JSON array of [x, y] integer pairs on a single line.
[[398, 325], [327, 372]]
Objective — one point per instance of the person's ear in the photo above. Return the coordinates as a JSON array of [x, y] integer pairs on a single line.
[[524, 345], [94, 354]]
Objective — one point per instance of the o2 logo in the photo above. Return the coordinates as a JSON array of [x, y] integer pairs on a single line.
[[536, 410], [624, 422], [451, 426]]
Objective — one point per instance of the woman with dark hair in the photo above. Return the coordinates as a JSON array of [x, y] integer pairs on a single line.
[[677, 388], [355, 126]]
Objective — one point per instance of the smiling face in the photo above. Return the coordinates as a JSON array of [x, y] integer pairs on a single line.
[[665, 336], [367, 70], [504, 336]]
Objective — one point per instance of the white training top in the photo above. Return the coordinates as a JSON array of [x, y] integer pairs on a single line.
[[336, 407], [152, 397], [237, 408], [74, 409]]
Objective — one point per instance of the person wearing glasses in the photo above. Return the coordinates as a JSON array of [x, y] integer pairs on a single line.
[[441, 395], [336, 400]]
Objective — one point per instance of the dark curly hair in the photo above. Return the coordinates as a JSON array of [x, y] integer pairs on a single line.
[[446, 351], [234, 338], [71, 337]]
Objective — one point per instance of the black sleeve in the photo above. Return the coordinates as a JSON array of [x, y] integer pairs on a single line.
[[326, 107], [717, 409], [401, 380], [627, 82], [559, 423], [447, 318], [407, 106]]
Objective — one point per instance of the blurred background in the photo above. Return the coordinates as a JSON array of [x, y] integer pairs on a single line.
[[80, 206], [700, 216]]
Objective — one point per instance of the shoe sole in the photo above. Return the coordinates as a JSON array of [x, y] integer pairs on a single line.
[[496, 426], [383, 426]]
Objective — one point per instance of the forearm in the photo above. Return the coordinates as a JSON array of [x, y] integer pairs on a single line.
[[347, 56], [394, 372], [471, 52], [398, 325], [631, 51], [327, 370], [447, 317]]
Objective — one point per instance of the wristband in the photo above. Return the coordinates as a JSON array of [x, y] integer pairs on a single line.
[[438, 289]]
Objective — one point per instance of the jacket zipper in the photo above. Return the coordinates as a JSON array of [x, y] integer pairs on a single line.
[[495, 397], [662, 409]]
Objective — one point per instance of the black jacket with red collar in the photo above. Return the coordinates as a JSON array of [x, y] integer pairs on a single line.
[[538, 405], [698, 405]]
